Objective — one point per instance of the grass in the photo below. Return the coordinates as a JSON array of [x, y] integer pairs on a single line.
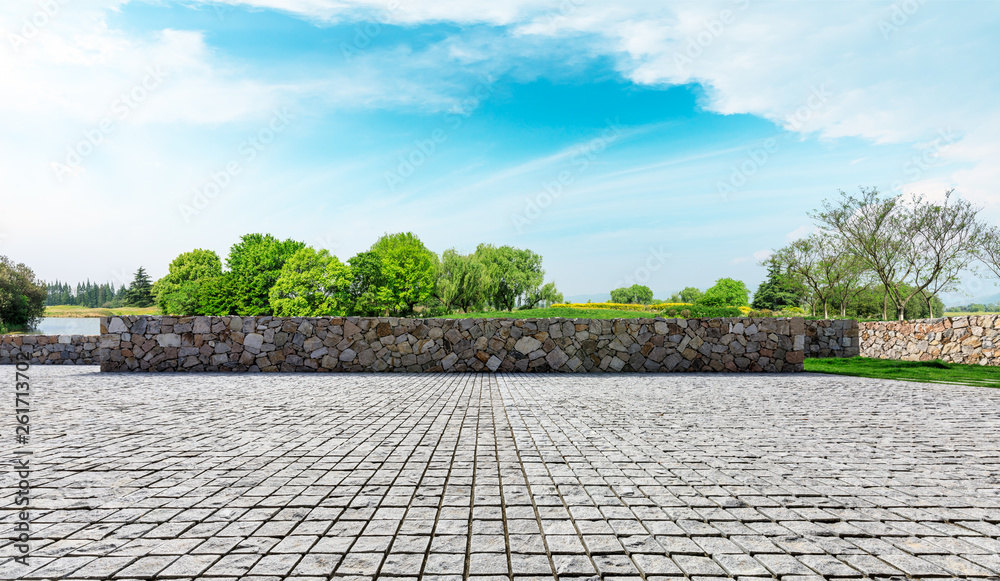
[[923, 371], [78, 311], [567, 313], [967, 313]]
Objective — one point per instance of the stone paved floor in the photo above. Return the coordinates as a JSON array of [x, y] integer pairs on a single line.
[[500, 477]]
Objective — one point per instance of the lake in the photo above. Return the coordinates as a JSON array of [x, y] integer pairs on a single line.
[[68, 326]]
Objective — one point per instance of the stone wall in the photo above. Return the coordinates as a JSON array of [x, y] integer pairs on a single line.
[[147, 343], [971, 339], [832, 338], [49, 349]]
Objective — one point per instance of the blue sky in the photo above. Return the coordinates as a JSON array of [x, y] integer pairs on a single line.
[[669, 145]]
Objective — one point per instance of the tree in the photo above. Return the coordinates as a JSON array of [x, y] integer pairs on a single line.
[[255, 263], [408, 271], [547, 295], [781, 288], [140, 292], [311, 284], [512, 273], [726, 292], [989, 249], [820, 261], [947, 239], [688, 295], [874, 229], [217, 296], [855, 279], [22, 297], [461, 281], [635, 294], [179, 292], [368, 292], [912, 246]]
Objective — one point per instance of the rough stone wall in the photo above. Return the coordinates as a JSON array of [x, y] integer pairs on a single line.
[[832, 338], [49, 349], [971, 339], [145, 343]]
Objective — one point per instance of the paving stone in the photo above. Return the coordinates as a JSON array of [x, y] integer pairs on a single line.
[[59, 567], [694, 565], [232, 565], [514, 476], [189, 566], [101, 568]]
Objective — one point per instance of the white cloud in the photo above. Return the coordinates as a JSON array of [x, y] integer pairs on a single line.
[[754, 258], [822, 68], [800, 232], [885, 72]]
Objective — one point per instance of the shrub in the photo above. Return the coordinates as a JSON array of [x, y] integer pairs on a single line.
[[620, 306], [702, 312], [726, 291]]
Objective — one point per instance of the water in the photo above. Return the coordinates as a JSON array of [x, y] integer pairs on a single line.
[[68, 326]]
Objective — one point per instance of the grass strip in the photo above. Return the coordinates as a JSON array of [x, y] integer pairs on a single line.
[[935, 371]]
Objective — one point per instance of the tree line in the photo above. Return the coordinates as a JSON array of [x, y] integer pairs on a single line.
[[86, 294], [882, 255], [397, 276]]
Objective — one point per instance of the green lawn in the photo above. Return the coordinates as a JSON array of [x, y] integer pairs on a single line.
[[923, 371], [550, 313], [78, 311]]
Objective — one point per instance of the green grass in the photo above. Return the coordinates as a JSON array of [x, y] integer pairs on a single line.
[[923, 371], [966, 313], [78, 311], [551, 313]]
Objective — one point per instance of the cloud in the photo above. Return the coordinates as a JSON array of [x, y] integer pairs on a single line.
[[755, 258], [884, 72], [800, 232]]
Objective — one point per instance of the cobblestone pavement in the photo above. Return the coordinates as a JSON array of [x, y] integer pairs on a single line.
[[506, 477]]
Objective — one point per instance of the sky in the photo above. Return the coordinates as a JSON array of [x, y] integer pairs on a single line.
[[665, 144]]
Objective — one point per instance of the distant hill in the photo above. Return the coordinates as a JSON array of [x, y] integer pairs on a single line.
[[962, 301]]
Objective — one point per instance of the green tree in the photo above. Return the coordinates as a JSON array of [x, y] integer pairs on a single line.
[[22, 297], [636, 294], [217, 296], [781, 289], [461, 281], [514, 274], [621, 295], [913, 246], [408, 271], [179, 292], [688, 295], [255, 264], [989, 249], [140, 292], [726, 292], [312, 284], [368, 292], [546, 295]]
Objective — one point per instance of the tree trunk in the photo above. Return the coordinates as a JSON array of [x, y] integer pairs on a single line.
[[826, 310], [885, 306], [930, 309]]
